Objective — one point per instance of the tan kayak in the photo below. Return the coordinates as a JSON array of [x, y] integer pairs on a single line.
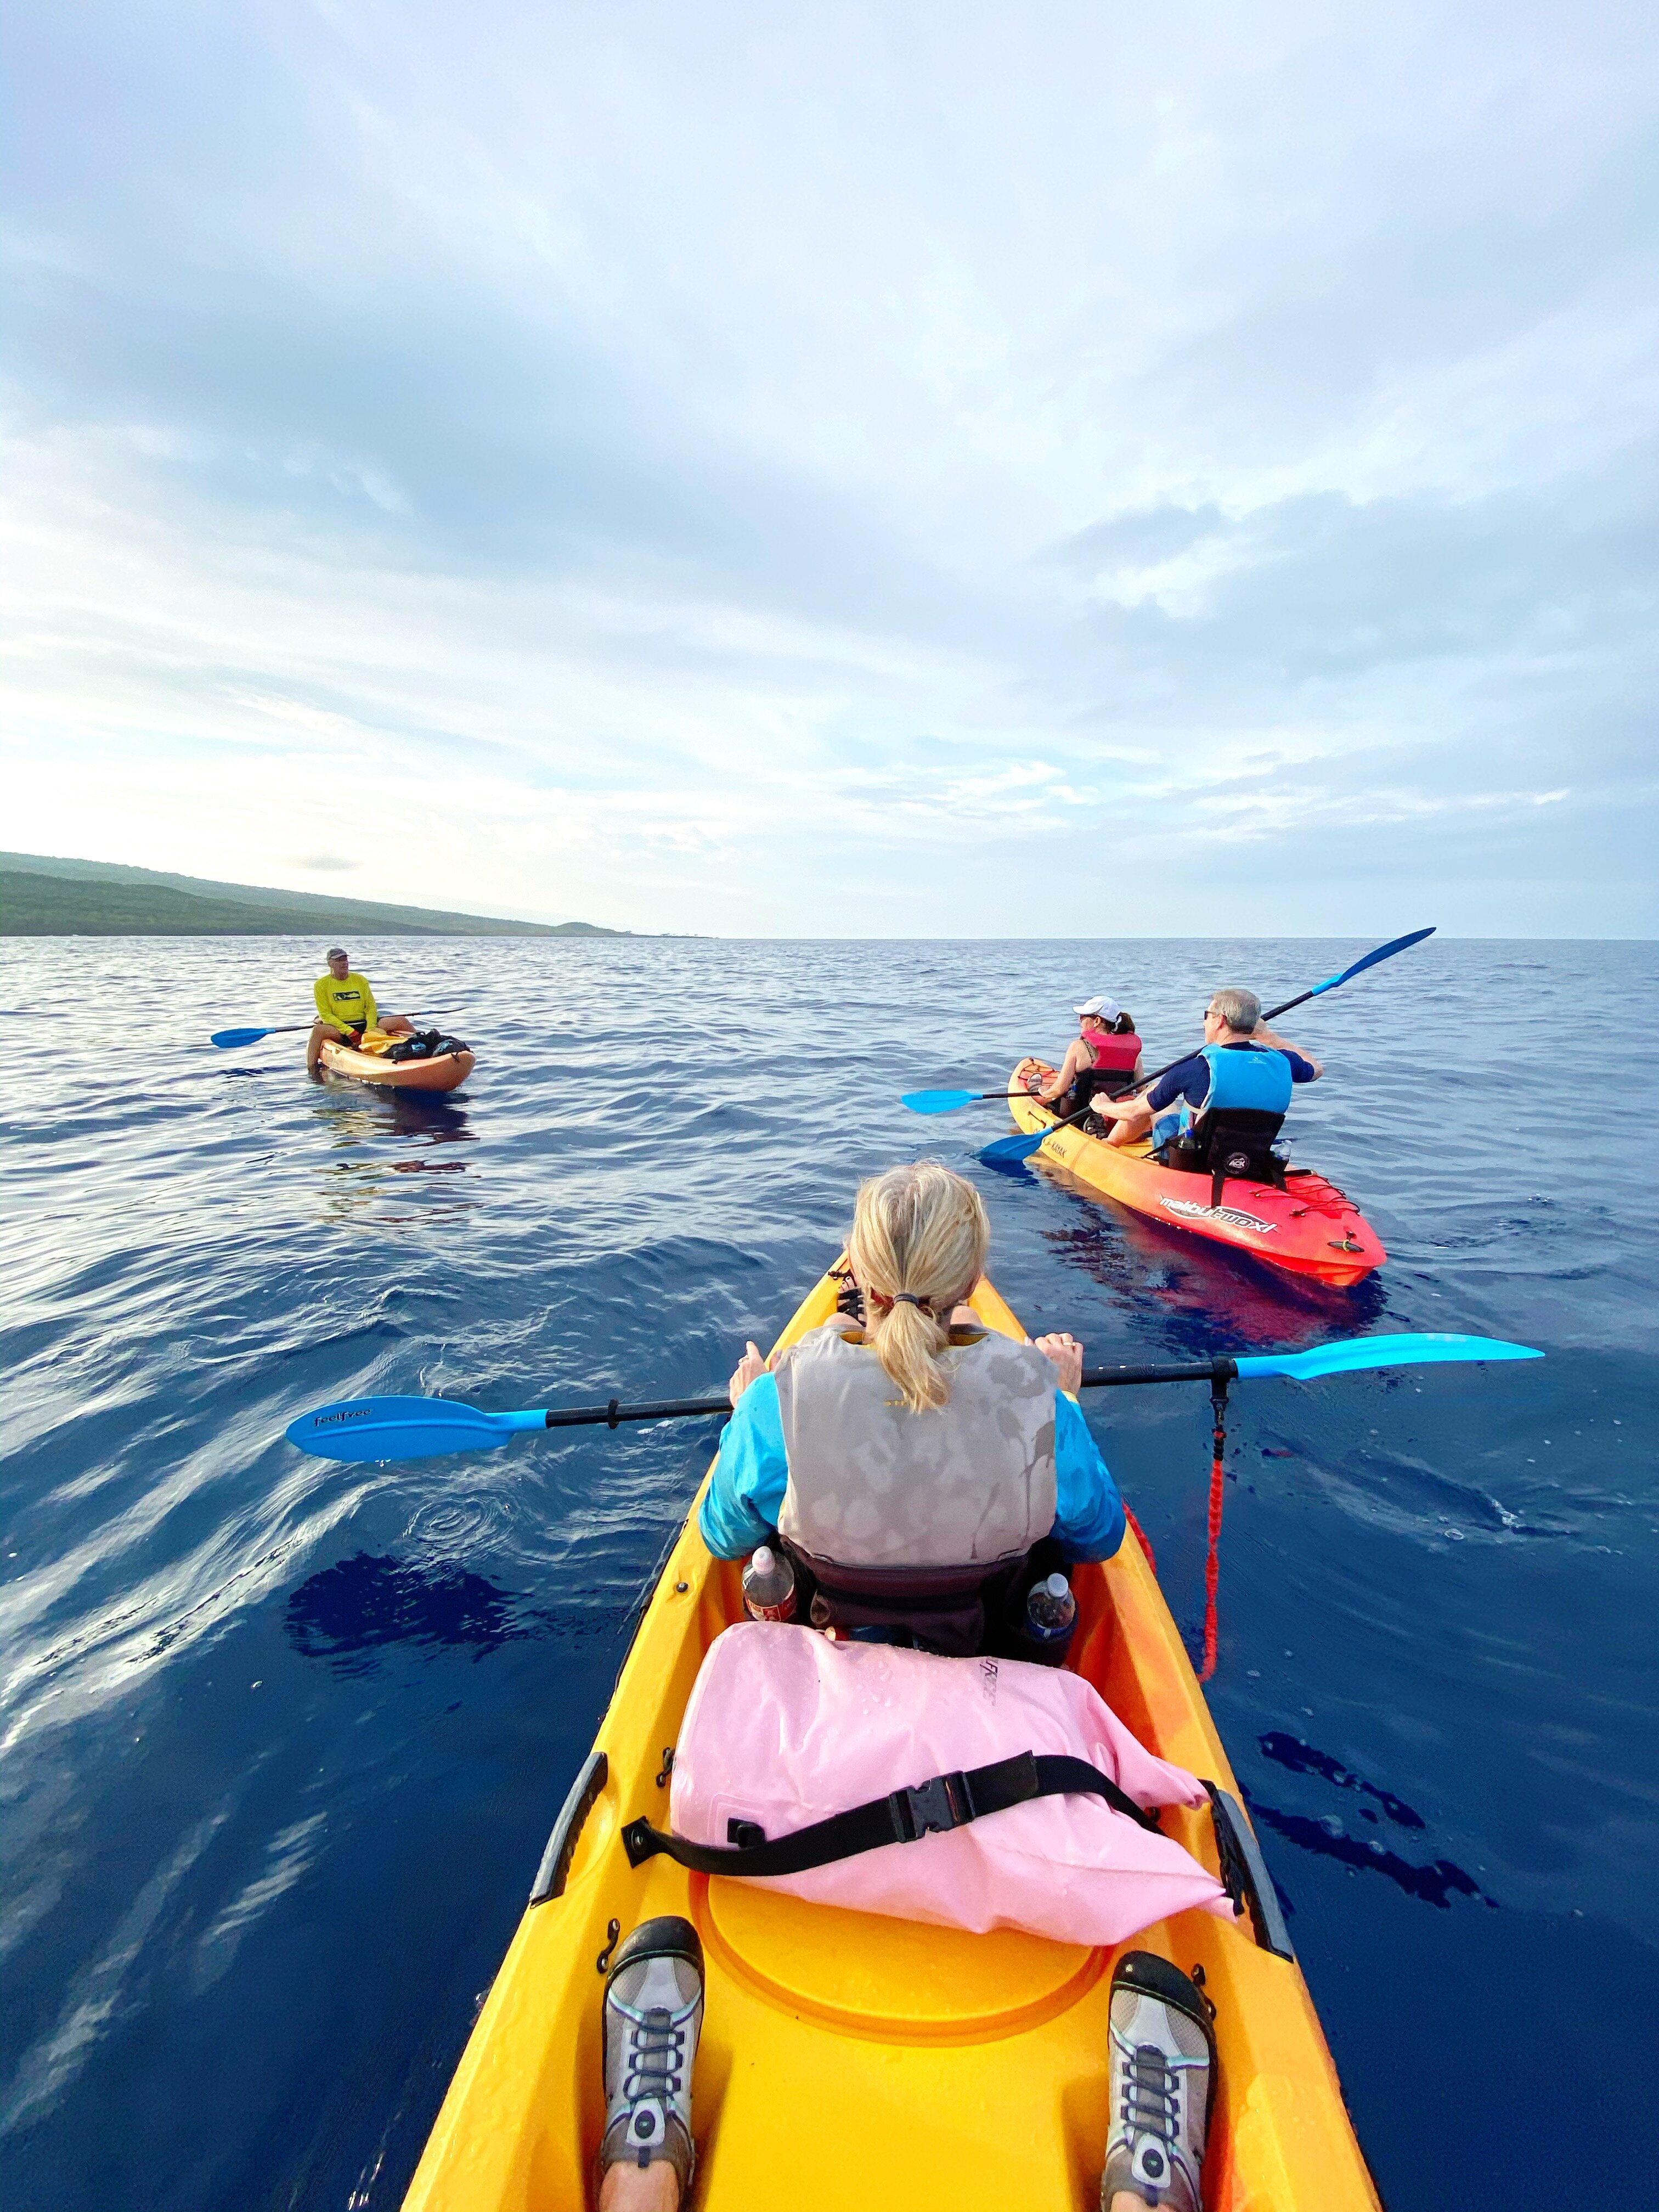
[[445, 1072]]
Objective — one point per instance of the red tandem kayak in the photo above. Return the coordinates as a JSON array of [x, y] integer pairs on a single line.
[[1309, 1227]]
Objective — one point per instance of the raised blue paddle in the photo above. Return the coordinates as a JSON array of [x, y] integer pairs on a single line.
[[1021, 1147], [369, 1429]]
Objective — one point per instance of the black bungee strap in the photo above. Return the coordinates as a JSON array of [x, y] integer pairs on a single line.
[[949, 1801]]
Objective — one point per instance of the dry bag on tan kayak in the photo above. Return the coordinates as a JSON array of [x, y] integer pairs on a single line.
[[980, 1792]]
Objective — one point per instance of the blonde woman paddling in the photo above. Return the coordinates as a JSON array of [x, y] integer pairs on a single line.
[[919, 1470]]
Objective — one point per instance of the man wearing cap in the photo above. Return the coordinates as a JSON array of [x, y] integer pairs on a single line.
[[345, 1008], [1102, 1059]]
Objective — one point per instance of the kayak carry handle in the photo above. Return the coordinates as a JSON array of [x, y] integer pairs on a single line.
[[552, 1874], [1244, 1874]]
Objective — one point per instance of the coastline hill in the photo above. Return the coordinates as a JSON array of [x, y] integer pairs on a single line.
[[44, 897]]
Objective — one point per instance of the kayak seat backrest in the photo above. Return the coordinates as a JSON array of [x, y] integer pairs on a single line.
[[1233, 1142], [955, 1611]]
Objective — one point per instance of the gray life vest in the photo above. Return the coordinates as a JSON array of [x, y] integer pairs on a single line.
[[871, 1484]]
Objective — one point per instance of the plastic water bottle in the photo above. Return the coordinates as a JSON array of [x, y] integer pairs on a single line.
[[1050, 1611], [769, 1587]]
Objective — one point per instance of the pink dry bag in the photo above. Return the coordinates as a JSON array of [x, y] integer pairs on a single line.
[[785, 1728]]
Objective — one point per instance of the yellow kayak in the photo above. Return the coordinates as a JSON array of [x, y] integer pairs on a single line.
[[849, 2062]]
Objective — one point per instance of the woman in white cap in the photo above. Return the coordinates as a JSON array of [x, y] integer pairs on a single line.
[[1104, 1056]]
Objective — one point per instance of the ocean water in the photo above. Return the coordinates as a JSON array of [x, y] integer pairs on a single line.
[[283, 1739]]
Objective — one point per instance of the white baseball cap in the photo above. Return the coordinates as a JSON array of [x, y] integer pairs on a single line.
[[1108, 1009]]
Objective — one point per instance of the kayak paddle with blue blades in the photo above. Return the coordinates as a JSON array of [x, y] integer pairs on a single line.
[[366, 1429]]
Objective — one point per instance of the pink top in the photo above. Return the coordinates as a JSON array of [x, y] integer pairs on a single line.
[[1112, 1053]]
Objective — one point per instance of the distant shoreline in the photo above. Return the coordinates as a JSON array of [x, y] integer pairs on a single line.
[[42, 896]]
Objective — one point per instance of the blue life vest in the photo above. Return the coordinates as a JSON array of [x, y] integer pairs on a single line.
[[1256, 1078]]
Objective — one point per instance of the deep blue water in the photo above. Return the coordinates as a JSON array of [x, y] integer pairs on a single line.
[[283, 1739]]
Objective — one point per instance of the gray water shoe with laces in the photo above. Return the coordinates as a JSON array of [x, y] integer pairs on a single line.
[[653, 2017], [1163, 2062]]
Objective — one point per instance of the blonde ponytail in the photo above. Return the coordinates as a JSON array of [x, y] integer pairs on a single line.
[[919, 1240]]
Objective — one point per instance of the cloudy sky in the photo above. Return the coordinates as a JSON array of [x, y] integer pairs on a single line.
[[911, 469]]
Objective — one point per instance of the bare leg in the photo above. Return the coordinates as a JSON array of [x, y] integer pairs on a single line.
[[319, 1032], [657, 2189], [394, 1025], [1130, 1130]]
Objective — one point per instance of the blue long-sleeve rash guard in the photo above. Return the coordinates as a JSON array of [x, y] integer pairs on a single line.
[[745, 1497]]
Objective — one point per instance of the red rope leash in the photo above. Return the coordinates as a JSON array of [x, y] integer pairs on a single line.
[[1212, 1558], [1211, 1572], [1141, 1538]]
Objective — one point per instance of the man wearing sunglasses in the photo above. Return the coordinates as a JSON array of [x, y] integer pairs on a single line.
[[1241, 1065]]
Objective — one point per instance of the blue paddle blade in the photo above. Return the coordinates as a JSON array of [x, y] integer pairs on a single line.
[[1382, 952], [368, 1429], [1008, 1149], [937, 1101], [228, 1040], [1355, 1353]]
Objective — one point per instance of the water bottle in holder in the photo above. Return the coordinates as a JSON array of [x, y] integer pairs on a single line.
[[769, 1586], [1050, 1615]]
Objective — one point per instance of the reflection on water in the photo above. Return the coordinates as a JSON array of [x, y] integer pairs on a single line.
[[353, 1608], [357, 1117], [1436, 1883], [1302, 1758], [1194, 1304], [356, 1113]]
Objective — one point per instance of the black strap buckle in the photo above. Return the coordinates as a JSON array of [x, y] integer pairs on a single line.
[[937, 1807]]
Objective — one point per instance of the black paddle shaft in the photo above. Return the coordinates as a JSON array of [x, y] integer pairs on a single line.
[[612, 1415], [1211, 1371]]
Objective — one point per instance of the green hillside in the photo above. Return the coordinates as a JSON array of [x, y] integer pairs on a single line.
[[46, 897]]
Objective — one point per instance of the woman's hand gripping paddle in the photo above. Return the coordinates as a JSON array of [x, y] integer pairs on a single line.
[[1006, 1150], [369, 1429]]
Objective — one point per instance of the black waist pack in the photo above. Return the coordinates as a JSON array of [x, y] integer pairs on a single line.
[[429, 1044]]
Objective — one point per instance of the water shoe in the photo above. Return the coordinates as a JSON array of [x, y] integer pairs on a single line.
[[653, 2017], [1163, 2062]]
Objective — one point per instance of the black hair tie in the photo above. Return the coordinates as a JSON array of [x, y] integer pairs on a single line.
[[909, 1299]]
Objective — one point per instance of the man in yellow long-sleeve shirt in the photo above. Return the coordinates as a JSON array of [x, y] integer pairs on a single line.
[[345, 1008]]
